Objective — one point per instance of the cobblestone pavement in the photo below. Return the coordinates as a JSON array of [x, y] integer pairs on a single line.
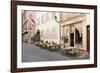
[[32, 53]]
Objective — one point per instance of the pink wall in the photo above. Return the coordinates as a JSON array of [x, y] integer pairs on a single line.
[[31, 16]]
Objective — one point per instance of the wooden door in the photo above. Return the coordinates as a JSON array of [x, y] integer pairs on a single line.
[[72, 39]]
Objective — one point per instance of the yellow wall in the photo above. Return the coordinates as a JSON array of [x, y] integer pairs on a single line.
[[75, 21]]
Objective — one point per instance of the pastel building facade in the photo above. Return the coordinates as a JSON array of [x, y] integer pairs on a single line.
[[74, 27], [68, 29], [49, 26], [28, 25]]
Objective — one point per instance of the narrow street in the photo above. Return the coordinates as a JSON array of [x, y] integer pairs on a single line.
[[32, 53]]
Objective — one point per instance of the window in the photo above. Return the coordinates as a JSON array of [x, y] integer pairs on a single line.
[[43, 18], [78, 34], [38, 21], [24, 15], [47, 16], [53, 14], [54, 33]]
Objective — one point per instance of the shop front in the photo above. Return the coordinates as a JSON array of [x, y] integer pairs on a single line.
[[73, 32]]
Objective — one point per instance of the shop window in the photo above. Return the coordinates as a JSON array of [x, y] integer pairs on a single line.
[[78, 34]]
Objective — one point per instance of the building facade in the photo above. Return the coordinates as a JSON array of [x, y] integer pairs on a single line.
[[28, 25], [74, 30], [48, 25], [67, 29]]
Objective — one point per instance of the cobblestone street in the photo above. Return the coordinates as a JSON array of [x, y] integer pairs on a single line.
[[32, 53]]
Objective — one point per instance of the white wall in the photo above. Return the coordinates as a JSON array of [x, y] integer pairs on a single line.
[[50, 35], [5, 37], [51, 30]]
